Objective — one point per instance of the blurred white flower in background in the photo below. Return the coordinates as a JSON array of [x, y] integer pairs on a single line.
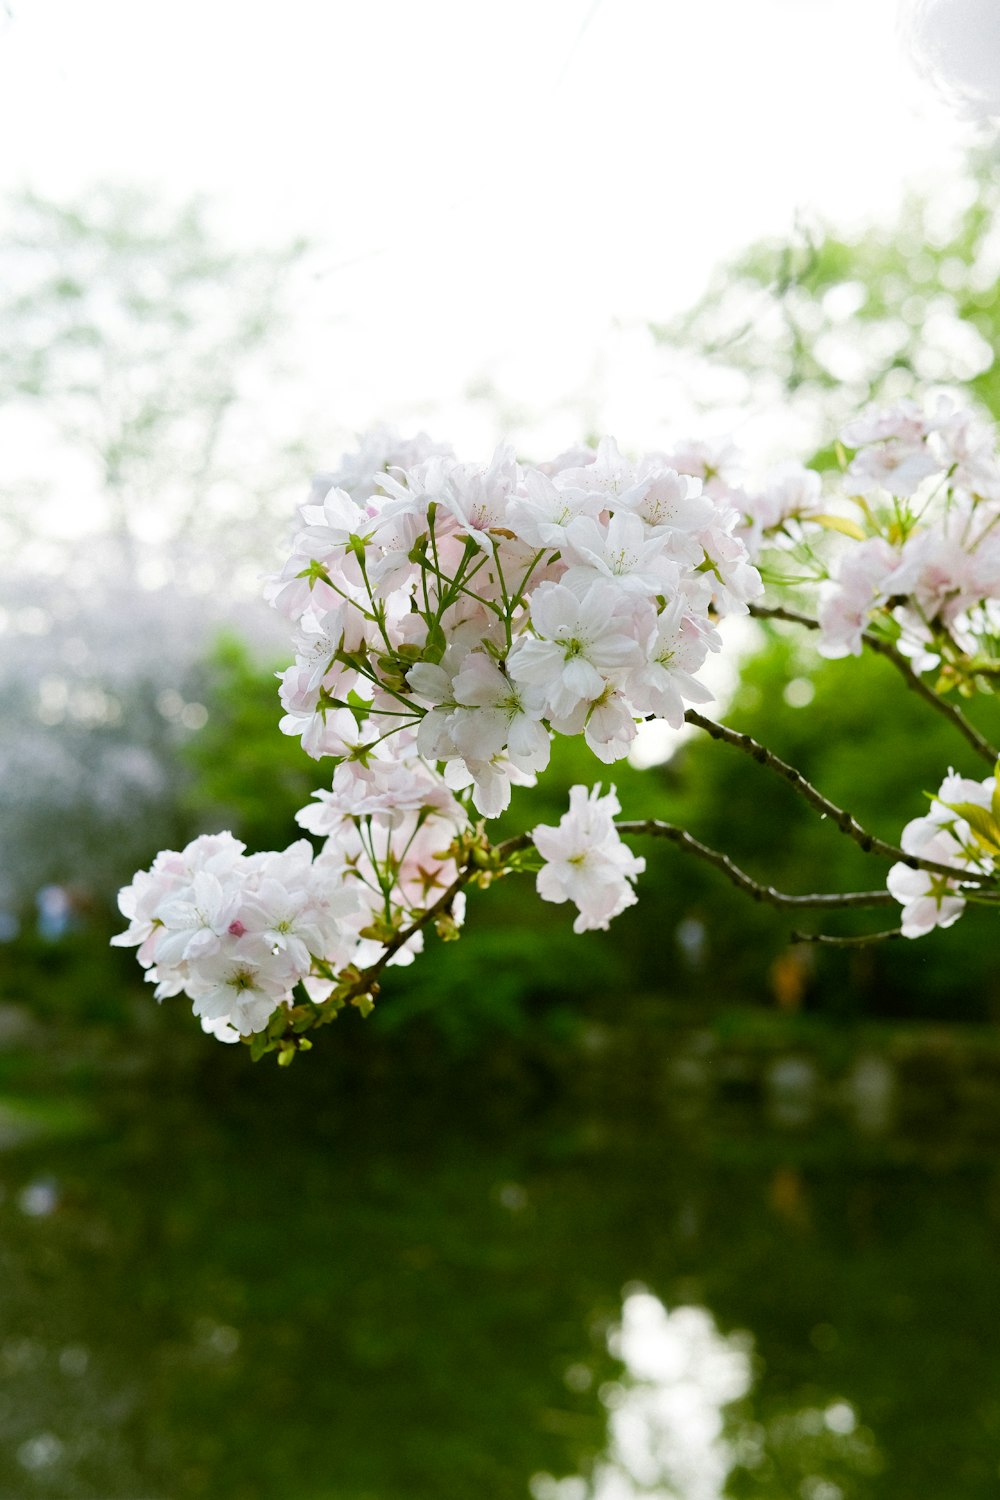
[[956, 44]]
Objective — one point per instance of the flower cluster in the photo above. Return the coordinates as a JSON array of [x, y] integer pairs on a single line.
[[236, 932], [962, 829], [918, 503], [448, 619], [239, 932], [467, 612]]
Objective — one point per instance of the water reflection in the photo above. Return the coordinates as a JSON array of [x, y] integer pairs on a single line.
[[680, 1427], [665, 1414]]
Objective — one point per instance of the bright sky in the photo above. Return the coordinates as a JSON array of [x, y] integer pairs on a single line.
[[503, 193]]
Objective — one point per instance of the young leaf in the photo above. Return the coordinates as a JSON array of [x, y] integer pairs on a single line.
[[842, 524], [985, 828]]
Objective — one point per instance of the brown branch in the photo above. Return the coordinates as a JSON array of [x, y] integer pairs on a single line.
[[497, 856], [912, 679], [655, 828], [841, 819]]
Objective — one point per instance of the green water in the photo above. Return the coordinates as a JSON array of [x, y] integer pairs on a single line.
[[375, 1278]]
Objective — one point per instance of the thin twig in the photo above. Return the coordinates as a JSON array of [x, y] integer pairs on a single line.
[[655, 828], [469, 871], [913, 680], [827, 940], [841, 819]]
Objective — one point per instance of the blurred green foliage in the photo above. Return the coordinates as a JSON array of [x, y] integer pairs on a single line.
[[245, 774], [828, 321]]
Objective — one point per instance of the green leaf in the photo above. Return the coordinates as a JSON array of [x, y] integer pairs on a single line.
[[436, 643], [985, 827], [259, 1045]]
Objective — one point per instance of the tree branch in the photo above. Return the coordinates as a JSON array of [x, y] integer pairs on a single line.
[[469, 871], [655, 828], [842, 819], [913, 680], [497, 857]]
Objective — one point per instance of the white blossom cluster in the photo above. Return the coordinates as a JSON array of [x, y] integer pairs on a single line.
[[916, 516], [238, 932], [961, 829], [481, 608], [449, 618]]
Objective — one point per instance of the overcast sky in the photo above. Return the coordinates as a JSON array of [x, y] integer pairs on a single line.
[[501, 192]]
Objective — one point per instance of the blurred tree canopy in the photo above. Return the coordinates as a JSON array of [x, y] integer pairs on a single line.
[[137, 351], [827, 321], [137, 481]]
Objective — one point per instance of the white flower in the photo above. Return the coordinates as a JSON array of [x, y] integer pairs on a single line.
[[623, 552], [666, 680], [243, 986], [497, 713], [609, 476], [928, 900], [193, 925], [541, 511], [584, 641], [586, 861]]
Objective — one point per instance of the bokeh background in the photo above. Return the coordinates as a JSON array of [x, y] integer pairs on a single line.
[[680, 1211]]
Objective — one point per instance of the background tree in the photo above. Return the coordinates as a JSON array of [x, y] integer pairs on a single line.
[[138, 355], [827, 321]]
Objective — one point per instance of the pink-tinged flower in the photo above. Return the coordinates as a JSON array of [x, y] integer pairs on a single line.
[[479, 498], [791, 493], [735, 580], [609, 476], [847, 600], [363, 472], [387, 791], [716, 462], [894, 466], [586, 861], [610, 727], [666, 681]]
